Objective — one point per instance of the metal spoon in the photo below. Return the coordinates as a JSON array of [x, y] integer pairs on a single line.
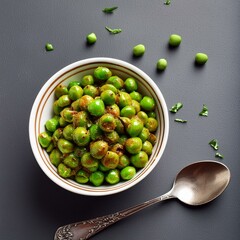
[[196, 184]]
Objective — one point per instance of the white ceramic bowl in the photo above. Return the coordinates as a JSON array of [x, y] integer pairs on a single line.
[[42, 111]]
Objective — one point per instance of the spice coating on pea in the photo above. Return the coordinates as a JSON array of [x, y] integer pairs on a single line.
[[201, 58]]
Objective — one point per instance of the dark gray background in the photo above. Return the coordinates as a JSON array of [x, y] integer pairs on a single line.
[[31, 205]]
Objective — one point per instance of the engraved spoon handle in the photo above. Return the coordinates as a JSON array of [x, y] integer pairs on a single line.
[[86, 229]]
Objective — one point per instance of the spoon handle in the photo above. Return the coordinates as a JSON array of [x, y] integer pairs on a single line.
[[87, 228]]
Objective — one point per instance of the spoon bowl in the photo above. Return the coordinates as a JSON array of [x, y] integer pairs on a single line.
[[196, 184]]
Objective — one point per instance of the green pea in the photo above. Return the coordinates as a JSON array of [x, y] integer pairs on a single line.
[[175, 40], [91, 38], [88, 161], [76, 105], [201, 58], [71, 161], [57, 135], [81, 119], [64, 171], [139, 160], [113, 109], [98, 149], [107, 122], [144, 135], [138, 50], [95, 132], [49, 47], [162, 64], [102, 73], [136, 106], [116, 81], [91, 90], [111, 137], [65, 146], [108, 97], [143, 116], [147, 103], [124, 99], [96, 107], [86, 80], [152, 114], [128, 173], [55, 157], [119, 126], [60, 90], [82, 176], [118, 148], [136, 96], [62, 122], [73, 83], [147, 147], [133, 145], [128, 111], [103, 168], [68, 131], [52, 124], [81, 136], [79, 151], [56, 108], [122, 139], [151, 124], [108, 87], [131, 84], [124, 161], [84, 101], [135, 127], [64, 101], [152, 138], [75, 92], [110, 160], [113, 176], [97, 178], [50, 147], [44, 139], [67, 114]]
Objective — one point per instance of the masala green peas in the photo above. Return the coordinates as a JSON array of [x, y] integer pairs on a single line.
[[110, 160], [86, 80], [65, 146], [75, 92], [64, 101], [135, 127], [67, 114], [111, 137], [147, 103], [113, 176], [116, 81], [143, 116], [88, 161], [136, 96], [138, 50], [128, 172], [124, 161], [56, 108], [68, 132], [95, 132], [124, 99], [136, 105], [81, 119], [73, 83], [84, 101], [108, 87], [91, 38], [162, 64], [98, 149], [96, 107], [139, 160], [108, 97], [71, 161], [82, 176], [44, 139], [201, 58], [64, 171], [55, 157], [52, 124], [133, 145], [113, 109], [128, 111], [97, 178], [81, 136], [151, 124], [60, 90], [131, 84], [91, 90], [144, 135], [175, 40], [147, 147], [102, 73], [107, 122]]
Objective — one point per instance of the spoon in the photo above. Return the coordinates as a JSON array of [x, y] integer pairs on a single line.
[[196, 184]]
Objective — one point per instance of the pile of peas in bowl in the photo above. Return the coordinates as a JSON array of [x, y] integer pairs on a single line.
[[102, 131]]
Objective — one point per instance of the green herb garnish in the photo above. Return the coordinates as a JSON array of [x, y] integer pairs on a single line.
[[167, 2], [114, 31], [219, 155], [204, 111], [214, 144], [109, 10], [176, 107], [49, 47], [180, 120]]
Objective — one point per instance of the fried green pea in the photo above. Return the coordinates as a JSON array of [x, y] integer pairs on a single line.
[[62, 122], [135, 127], [97, 178], [76, 105], [139, 50], [136, 106], [50, 147], [175, 40], [79, 151], [111, 137], [113, 109], [102, 73], [107, 122], [147, 103], [95, 132], [52, 124], [82, 176], [152, 114], [124, 99], [124, 161], [143, 116], [57, 135], [108, 86], [86, 80], [113, 176], [139, 160], [56, 108], [152, 138], [151, 124], [128, 111], [147, 147], [73, 83], [84, 101], [122, 139], [108, 97], [68, 132], [96, 107], [75, 92], [102, 168], [119, 126], [118, 148], [44, 139], [60, 90], [133, 145], [88, 161], [98, 149], [81, 136], [144, 135], [91, 90], [128, 173], [64, 101], [131, 84], [116, 81], [110, 160], [71, 161], [55, 157], [65, 146], [136, 96], [67, 114], [64, 171], [81, 119]]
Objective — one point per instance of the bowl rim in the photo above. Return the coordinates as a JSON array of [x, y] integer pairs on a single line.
[[70, 67]]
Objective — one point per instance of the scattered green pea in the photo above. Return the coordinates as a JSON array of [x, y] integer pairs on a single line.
[[175, 40], [162, 64], [138, 50], [91, 38], [49, 47], [201, 58]]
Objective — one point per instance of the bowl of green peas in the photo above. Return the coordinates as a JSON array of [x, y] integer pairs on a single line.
[[98, 126]]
